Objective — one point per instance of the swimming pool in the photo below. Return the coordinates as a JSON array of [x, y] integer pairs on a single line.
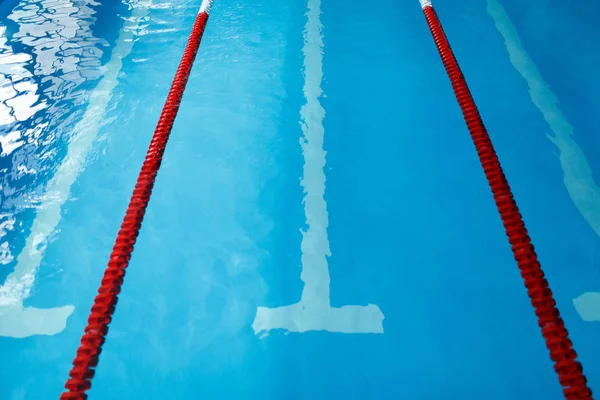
[[386, 199]]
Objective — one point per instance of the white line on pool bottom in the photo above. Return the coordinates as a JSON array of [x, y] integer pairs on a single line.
[[314, 311], [18, 321], [578, 176]]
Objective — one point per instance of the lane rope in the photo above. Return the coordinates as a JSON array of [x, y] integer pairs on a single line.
[[569, 370], [88, 353]]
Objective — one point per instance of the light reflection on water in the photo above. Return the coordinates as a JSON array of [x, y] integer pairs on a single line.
[[49, 57]]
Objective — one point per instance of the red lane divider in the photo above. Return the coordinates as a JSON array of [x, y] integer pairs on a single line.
[[88, 353], [569, 370]]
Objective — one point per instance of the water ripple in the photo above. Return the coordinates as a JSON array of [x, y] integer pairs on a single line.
[[49, 57]]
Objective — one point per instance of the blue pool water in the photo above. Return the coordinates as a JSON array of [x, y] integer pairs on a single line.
[[316, 140]]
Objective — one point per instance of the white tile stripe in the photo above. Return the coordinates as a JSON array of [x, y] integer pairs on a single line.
[[578, 176], [314, 311], [205, 6], [425, 3], [17, 320]]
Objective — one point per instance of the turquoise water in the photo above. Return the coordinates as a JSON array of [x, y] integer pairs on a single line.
[[270, 187]]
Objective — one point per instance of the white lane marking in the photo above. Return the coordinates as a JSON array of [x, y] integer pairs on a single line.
[[205, 6], [18, 321], [578, 176], [587, 306], [314, 311]]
